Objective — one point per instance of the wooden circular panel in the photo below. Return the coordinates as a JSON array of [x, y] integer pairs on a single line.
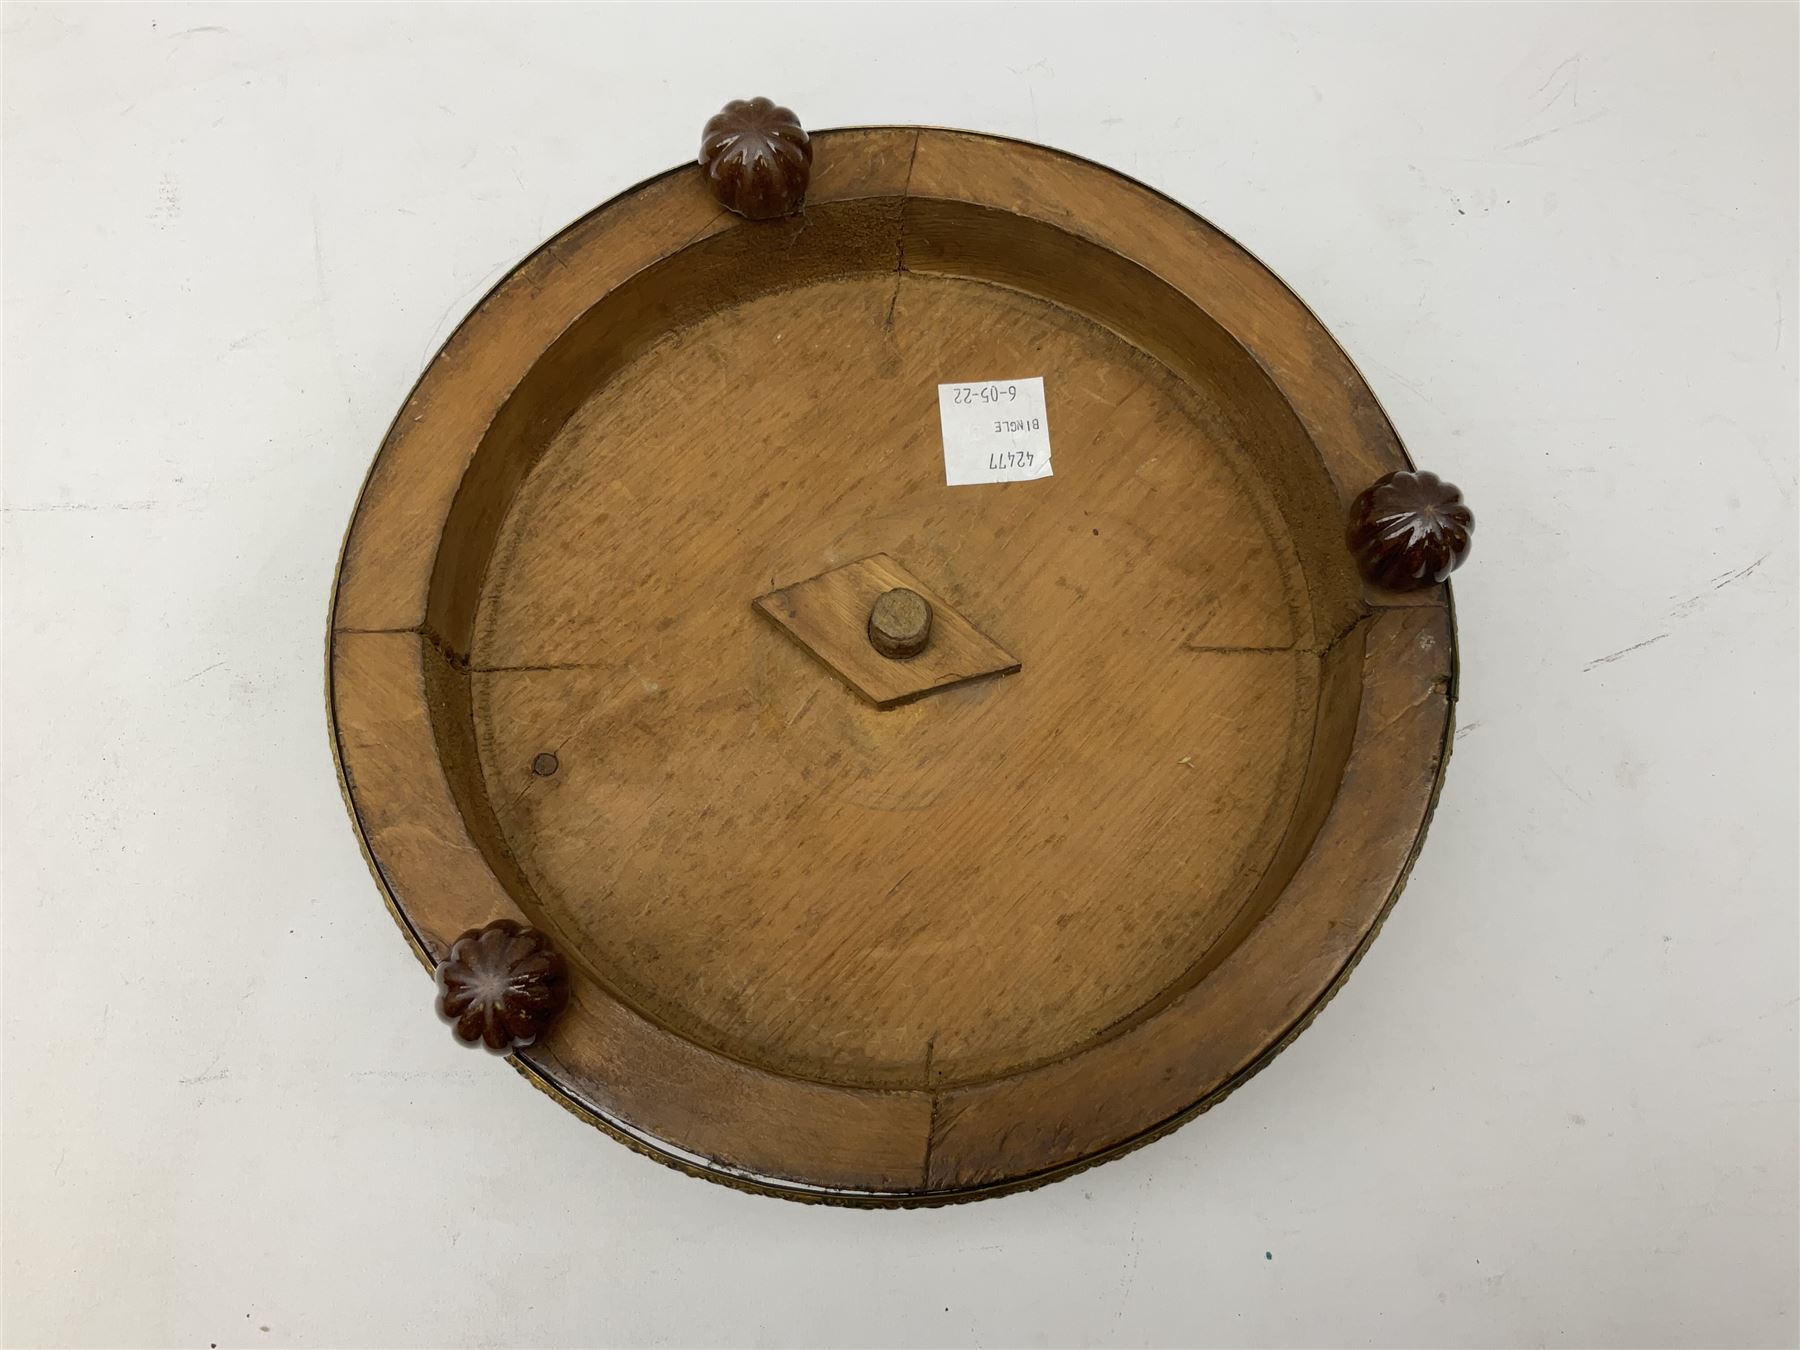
[[855, 927]]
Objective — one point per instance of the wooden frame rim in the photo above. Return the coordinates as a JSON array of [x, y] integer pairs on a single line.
[[386, 668]]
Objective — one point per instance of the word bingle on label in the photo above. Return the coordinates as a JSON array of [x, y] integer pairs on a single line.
[[995, 431]]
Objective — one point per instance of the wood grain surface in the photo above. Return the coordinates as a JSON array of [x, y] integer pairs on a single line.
[[828, 938]]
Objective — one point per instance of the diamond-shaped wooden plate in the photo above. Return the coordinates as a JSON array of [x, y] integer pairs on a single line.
[[829, 616]]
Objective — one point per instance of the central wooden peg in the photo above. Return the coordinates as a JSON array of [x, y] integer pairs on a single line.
[[913, 642], [900, 623]]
